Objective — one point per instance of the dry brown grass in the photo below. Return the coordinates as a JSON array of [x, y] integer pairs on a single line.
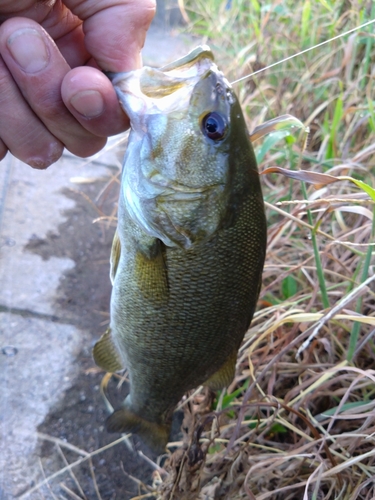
[[303, 428], [298, 422]]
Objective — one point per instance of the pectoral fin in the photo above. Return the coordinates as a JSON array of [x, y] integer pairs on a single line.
[[106, 355], [151, 272], [115, 256], [224, 376]]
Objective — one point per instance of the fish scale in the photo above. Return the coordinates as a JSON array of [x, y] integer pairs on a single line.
[[187, 265]]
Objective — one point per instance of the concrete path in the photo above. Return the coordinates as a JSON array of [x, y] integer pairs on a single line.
[[40, 341], [37, 353]]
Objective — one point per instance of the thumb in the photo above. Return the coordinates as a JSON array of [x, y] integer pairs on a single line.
[[115, 30]]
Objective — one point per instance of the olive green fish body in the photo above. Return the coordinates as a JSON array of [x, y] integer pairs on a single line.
[[188, 256]]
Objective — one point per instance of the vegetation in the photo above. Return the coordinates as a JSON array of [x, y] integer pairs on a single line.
[[298, 421]]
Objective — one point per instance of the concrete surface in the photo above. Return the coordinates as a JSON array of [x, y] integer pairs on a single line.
[[39, 343], [36, 368], [37, 353]]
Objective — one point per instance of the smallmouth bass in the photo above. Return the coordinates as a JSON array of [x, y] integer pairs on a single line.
[[188, 254]]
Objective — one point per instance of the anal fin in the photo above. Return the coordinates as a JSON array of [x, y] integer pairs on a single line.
[[106, 355], [224, 376], [155, 435]]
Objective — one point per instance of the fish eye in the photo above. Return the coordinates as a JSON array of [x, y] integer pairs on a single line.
[[214, 126]]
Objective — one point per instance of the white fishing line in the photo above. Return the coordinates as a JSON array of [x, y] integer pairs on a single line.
[[304, 51]]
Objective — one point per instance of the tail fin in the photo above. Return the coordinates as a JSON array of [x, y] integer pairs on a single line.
[[155, 435]]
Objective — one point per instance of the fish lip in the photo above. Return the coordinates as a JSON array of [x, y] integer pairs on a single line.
[[203, 51]]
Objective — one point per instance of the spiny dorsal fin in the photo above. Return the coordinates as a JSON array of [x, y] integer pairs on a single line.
[[224, 376], [115, 256], [106, 355]]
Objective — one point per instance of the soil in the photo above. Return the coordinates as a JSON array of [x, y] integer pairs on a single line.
[[83, 300]]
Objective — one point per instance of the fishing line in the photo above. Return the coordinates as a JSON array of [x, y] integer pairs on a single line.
[[304, 51]]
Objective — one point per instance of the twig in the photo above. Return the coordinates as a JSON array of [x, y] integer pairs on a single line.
[[75, 480], [62, 443], [94, 480], [70, 492], [70, 466], [340, 305]]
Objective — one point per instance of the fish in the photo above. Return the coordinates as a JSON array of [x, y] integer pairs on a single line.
[[188, 253]]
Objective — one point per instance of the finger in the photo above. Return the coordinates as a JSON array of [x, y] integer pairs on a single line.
[[38, 69], [66, 30], [115, 30], [59, 22], [91, 98], [20, 130], [3, 150], [25, 8]]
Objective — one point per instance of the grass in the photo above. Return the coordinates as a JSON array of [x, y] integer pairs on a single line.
[[298, 420]]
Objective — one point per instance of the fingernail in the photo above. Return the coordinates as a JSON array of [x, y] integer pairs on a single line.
[[28, 50], [88, 103]]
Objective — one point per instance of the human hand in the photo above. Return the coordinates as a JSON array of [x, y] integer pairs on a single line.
[[52, 91]]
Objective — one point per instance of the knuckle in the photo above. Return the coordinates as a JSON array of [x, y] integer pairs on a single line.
[[47, 103], [8, 89]]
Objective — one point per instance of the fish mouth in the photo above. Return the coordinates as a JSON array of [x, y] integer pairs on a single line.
[[165, 90]]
